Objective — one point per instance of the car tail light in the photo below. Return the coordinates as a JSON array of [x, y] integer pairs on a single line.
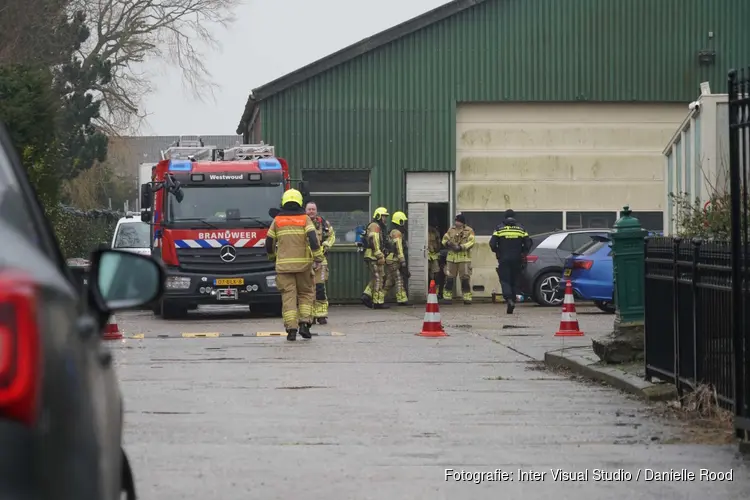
[[531, 258], [19, 349], [583, 264]]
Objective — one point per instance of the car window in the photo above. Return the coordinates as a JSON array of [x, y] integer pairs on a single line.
[[133, 235], [573, 241], [537, 239], [594, 247], [14, 206], [582, 249]]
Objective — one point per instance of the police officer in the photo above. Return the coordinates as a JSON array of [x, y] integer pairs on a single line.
[[511, 243], [293, 244], [373, 295], [395, 261], [327, 237], [433, 251], [459, 240]]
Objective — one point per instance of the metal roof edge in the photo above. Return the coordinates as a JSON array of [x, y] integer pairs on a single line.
[[352, 51]]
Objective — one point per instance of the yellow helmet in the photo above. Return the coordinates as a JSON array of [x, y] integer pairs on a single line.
[[379, 213], [291, 196], [398, 218]]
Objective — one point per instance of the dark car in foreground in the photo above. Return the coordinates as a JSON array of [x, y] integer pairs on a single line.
[[61, 414], [545, 262]]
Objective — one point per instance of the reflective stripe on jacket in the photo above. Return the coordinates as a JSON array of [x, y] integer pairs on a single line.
[[510, 243], [464, 238], [326, 235], [291, 241], [375, 252], [397, 243]]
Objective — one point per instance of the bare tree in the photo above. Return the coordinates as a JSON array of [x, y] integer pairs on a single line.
[[128, 33], [29, 30]]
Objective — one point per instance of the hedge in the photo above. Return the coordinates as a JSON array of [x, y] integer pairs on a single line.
[[81, 231]]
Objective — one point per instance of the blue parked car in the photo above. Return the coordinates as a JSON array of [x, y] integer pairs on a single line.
[[590, 270]]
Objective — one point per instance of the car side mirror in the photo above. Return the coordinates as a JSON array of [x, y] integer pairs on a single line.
[[123, 280], [147, 196], [273, 212], [146, 216]]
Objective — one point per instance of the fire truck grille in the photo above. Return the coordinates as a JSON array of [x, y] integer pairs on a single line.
[[208, 260]]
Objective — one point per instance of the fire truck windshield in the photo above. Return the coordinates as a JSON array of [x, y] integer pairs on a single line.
[[217, 204]]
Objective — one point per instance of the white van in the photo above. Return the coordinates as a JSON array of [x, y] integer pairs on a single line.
[[132, 235]]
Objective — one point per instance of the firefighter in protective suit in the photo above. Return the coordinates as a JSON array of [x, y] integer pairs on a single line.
[[375, 243], [395, 261], [327, 237], [433, 249], [459, 240], [293, 244]]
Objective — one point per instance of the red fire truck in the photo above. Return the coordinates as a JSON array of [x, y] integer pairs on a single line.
[[210, 210]]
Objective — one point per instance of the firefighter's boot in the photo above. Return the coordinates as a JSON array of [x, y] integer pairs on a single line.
[[466, 290], [448, 291], [381, 306], [291, 335], [367, 300], [304, 330], [322, 321]]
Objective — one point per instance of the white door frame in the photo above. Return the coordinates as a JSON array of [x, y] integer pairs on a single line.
[[432, 187]]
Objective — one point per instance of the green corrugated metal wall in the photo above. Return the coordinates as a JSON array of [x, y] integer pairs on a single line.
[[348, 275], [393, 109]]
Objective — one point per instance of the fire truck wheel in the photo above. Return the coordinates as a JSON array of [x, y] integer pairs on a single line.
[[170, 310]]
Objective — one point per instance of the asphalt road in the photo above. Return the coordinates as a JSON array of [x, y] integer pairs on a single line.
[[376, 412]]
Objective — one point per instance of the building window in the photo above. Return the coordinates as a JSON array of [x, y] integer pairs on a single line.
[[590, 220], [651, 221], [484, 223], [343, 198]]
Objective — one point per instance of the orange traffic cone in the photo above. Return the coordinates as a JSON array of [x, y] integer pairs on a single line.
[[569, 322], [432, 326], [112, 331]]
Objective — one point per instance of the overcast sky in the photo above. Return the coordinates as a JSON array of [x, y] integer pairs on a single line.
[[269, 39]]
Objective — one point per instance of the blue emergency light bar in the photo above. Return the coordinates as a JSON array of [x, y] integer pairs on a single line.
[[269, 164], [180, 166]]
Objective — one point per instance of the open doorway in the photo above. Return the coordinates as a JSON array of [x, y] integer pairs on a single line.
[[438, 216]]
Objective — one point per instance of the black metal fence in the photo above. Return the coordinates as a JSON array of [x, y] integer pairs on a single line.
[[688, 315], [739, 168]]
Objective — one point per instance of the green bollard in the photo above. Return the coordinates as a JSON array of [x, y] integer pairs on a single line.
[[628, 253]]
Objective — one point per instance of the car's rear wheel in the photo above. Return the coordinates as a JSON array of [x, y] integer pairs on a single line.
[[605, 306], [545, 289]]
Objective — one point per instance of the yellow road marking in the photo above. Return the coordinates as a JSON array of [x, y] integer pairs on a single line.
[[138, 336], [270, 334], [212, 335], [337, 334]]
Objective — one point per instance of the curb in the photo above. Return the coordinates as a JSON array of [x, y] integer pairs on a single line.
[[612, 376], [216, 335]]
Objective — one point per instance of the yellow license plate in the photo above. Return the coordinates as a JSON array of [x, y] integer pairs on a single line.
[[567, 272], [229, 281]]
